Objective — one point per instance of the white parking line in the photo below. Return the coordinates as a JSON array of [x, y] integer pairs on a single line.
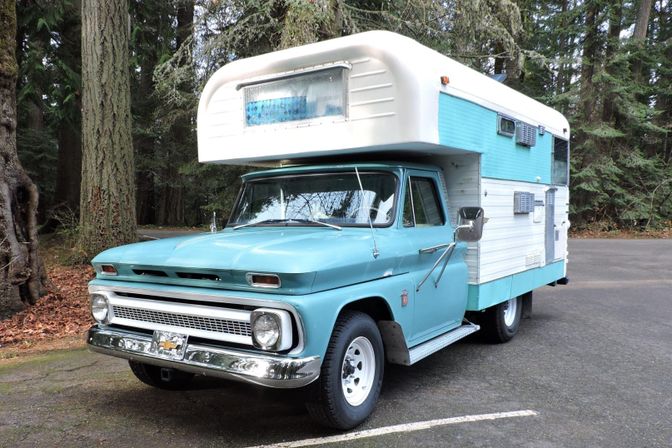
[[406, 427]]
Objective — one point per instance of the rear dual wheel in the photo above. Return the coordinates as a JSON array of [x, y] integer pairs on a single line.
[[347, 390], [500, 323]]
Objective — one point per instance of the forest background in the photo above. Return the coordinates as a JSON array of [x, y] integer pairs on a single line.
[[606, 65], [133, 69]]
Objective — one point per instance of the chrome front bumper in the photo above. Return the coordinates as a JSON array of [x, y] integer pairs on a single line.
[[265, 370]]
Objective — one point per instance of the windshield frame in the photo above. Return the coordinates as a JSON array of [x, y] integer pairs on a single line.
[[350, 170]]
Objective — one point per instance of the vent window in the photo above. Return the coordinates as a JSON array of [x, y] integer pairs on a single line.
[[506, 126], [422, 206]]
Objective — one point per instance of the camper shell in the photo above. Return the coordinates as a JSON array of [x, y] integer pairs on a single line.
[[406, 102], [432, 201]]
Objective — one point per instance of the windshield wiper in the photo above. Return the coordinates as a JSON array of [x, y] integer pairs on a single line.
[[312, 221], [289, 220]]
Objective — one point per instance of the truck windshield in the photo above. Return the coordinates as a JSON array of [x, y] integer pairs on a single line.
[[310, 199]]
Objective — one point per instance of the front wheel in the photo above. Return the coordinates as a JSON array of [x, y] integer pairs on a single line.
[[352, 373]]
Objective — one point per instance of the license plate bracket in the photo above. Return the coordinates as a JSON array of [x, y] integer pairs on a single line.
[[169, 345]]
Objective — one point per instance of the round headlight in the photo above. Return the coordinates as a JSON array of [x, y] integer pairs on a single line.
[[266, 330], [99, 308]]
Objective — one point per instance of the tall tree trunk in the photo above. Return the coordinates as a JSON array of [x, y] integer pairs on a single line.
[[562, 50], [22, 278], [171, 205], [69, 170], [589, 59], [639, 36], [107, 206], [613, 36], [145, 145], [664, 84], [642, 22]]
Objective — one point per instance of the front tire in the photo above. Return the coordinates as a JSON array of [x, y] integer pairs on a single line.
[[347, 390], [500, 323], [161, 377]]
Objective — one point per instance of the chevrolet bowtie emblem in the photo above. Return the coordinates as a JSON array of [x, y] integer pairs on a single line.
[[167, 345]]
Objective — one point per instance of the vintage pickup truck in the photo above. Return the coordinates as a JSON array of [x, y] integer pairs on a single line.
[[412, 201]]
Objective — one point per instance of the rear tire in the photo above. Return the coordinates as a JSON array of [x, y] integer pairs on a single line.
[[161, 377], [500, 323], [347, 390]]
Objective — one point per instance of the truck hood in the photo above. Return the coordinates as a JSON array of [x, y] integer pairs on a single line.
[[306, 259]]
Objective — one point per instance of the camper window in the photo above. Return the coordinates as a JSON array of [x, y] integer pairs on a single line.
[[560, 169], [295, 98], [506, 126]]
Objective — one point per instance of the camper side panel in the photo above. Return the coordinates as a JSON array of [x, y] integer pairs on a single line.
[[513, 257], [467, 126]]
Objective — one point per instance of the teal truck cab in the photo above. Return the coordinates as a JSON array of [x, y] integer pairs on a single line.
[[412, 202]]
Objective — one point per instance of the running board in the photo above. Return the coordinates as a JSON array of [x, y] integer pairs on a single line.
[[434, 345]]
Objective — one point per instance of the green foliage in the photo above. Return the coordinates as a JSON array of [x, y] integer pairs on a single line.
[[620, 110]]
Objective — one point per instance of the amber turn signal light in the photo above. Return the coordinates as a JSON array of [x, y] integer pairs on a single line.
[[108, 269], [263, 280]]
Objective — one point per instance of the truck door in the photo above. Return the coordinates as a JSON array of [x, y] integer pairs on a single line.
[[440, 306]]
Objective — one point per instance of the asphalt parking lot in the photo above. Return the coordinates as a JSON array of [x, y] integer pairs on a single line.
[[593, 367]]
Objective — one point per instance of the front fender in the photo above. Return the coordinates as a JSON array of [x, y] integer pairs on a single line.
[[319, 311]]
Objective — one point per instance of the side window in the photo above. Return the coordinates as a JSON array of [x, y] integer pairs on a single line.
[[560, 169], [421, 205]]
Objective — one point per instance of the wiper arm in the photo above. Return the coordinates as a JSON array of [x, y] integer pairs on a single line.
[[326, 224], [289, 220], [256, 223]]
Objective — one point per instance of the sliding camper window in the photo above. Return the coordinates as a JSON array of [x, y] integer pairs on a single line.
[[299, 97], [421, 204], [560, 168]]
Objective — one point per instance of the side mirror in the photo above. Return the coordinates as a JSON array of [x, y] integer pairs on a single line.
[[470, 222]]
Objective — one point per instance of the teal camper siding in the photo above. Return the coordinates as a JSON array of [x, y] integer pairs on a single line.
[[468, 126], [491, 293]]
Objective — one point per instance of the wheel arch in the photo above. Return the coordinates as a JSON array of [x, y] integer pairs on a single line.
[[375, 306], [394, 342]]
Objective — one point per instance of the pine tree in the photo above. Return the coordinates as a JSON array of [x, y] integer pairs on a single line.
[[108, 189]]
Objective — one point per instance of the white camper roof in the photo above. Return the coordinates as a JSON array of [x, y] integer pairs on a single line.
[[392, 94]]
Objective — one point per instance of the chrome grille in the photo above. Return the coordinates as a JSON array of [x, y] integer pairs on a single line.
[[240, 328]]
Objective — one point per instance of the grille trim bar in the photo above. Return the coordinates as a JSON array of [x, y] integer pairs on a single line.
[[208, 322]]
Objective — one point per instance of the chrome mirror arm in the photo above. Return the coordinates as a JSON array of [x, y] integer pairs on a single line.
[[446, 254]]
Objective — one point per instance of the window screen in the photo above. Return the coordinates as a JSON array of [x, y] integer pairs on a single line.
[[560, 169], [422, 206]]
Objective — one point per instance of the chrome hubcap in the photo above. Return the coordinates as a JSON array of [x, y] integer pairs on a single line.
[[510, 308], [358, 371]]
